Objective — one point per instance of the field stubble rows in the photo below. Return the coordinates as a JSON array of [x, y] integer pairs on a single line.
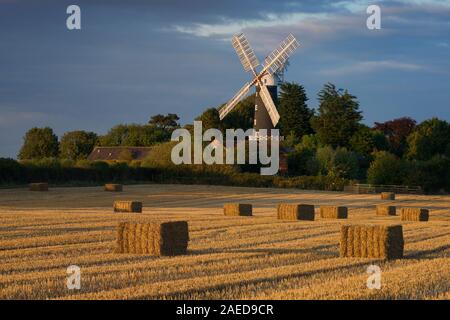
[[258, 257]]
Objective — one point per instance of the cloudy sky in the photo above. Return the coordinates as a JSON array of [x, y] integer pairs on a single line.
[[133, 59]]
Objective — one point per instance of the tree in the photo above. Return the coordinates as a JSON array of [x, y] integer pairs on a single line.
[[241, 117], [290, 140], [309, 142], [169, 122], [397, 131], [365, 141], [432, 175], [295, 115], [76, 145], [134, 135], [345, 164], [339, 163], [210, 119], [387, 168], [39, 143], [325, 159], [338, 117], [160, 155], [298, 161], [126, 155], [430, 138]]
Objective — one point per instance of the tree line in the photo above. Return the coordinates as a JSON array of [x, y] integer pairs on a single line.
[[40, 143], [328, 141]]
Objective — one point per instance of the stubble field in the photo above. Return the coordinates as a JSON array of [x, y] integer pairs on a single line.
[[259, 257]]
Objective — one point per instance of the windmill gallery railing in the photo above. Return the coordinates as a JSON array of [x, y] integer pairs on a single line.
[[372, 188]]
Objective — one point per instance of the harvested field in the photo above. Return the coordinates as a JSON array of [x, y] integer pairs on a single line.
[[41, 234]]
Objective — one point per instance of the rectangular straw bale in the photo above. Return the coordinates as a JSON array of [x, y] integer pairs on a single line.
[[357, 241], [138, 237], [144, 238], [363, 239], [39, 186], [386, 210], [414, 214], [127, 206], [113, 187], [154, 238], [372, 241], [333, 212], [289, 211], [343, 248], [375, 243], [388, 196], [131, 237], [120, 231], [237, 209]]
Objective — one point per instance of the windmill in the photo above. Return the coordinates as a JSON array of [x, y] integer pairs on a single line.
[[265, 81]]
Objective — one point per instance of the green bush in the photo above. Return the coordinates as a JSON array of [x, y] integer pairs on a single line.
[[160, 155], [11, 171], [298, 161], [312, 183], [339, 163], [97, 172], [345, 164], [432, 175], [387, 168]]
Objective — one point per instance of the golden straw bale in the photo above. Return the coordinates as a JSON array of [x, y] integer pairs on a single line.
[[372, 241], [144, 238], [333, 212], [289, 211], [120, 239], [357, 241], [343, 241], [363, 239], [154, 238], [113, 187], [415, 214], [388, 196], [127, 206], [383, 210], [237, 209]]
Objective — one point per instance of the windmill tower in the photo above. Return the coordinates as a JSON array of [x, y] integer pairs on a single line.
[[265, 81]]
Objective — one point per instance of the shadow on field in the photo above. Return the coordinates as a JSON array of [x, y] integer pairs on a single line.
[[428, 254], [270, 251]]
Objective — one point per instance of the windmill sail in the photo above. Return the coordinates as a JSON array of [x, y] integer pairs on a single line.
[[235, 100], [279, 56], [273, 63], [245, 52]]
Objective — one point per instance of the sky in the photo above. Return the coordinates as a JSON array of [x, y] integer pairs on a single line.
[[134, 59]]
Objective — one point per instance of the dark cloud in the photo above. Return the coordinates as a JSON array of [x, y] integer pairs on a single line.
[[128, 62]]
